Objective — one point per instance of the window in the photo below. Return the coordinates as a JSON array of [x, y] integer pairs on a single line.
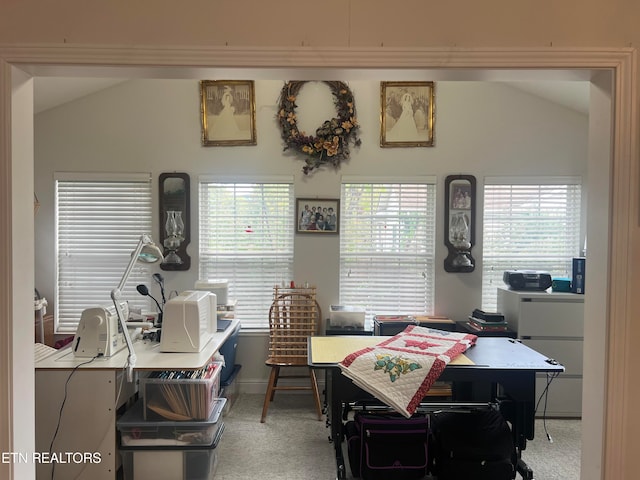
[[246, 237], [387, 245], [528, 225], [99, 220]]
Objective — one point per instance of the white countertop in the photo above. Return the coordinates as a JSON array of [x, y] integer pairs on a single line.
[[149, 356]]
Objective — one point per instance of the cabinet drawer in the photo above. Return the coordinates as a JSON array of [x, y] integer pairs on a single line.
[[550, 318], [566, 351], [565, 397]]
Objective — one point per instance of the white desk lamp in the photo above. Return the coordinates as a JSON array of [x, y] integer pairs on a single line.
[[146, 252]]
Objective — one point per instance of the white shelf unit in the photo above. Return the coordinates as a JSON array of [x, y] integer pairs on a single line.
[[552, 324], [94, 395]]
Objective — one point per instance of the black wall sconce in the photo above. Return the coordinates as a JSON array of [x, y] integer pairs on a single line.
[[459, 222], [175, 225]]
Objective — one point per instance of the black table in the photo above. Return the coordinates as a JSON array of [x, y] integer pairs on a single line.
[[503, 370]]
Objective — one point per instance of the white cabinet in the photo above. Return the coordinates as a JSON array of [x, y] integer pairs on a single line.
[[552, 324], [86, 435], [92, 398]]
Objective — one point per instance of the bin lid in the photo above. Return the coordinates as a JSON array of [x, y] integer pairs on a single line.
[[134, 417]]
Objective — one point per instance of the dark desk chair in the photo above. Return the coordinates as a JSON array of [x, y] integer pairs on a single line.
[[294, 316]]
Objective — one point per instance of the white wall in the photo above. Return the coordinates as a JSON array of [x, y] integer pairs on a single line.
[[482, 129]]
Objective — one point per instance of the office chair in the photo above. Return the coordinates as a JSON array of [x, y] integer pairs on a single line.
[[294, 316]]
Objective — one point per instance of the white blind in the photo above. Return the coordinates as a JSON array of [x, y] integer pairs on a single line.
[[528, 227], [246, 237], [99, 221], [387, 246]]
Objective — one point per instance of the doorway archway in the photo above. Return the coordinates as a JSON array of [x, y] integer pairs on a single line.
[[19, 65]]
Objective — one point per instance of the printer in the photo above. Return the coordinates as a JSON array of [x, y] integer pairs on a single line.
[[527, 279]]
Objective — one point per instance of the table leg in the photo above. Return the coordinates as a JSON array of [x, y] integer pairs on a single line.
[[334, 411], [519, 410]]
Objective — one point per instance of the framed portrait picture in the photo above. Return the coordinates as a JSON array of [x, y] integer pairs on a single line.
[[317, 215], [407, 114], [228, 111], [460, 195]]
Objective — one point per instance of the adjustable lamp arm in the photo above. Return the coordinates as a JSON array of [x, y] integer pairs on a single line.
[[116, 294], [131, 359]]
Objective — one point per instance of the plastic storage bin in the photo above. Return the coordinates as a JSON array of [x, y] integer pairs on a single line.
[[156, 463], [135, 431], [181, 396], [229, 389], [228, 351]]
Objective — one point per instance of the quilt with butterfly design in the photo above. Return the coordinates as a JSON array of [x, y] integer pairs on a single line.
[[400, 370]]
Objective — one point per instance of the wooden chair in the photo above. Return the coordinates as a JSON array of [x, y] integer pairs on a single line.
[[294, 316]]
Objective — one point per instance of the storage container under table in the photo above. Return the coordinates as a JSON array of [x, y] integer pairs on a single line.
[[135, 431]]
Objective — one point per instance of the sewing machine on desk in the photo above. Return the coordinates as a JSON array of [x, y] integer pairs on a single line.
[[495, 368], [86, 442]]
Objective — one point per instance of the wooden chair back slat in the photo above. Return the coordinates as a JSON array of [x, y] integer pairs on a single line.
[[293, 317]]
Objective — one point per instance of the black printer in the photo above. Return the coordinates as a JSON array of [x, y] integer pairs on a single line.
[[527, 279]]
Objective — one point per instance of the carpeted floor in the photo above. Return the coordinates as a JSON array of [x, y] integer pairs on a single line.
[[292, 444]]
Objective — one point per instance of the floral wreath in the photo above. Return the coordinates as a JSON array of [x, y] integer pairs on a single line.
[[330, 145]]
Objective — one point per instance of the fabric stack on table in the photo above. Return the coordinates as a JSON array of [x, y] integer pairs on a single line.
[[400, 370]]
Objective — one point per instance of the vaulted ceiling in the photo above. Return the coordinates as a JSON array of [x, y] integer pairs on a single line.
[[51, 92]]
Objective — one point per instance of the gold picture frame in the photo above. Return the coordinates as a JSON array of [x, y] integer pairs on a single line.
[[407, 114], [228, 110]]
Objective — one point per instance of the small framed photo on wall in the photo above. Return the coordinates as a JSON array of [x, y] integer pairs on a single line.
[[317, 215], [228, 111], [460, 195], [407, 114]]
